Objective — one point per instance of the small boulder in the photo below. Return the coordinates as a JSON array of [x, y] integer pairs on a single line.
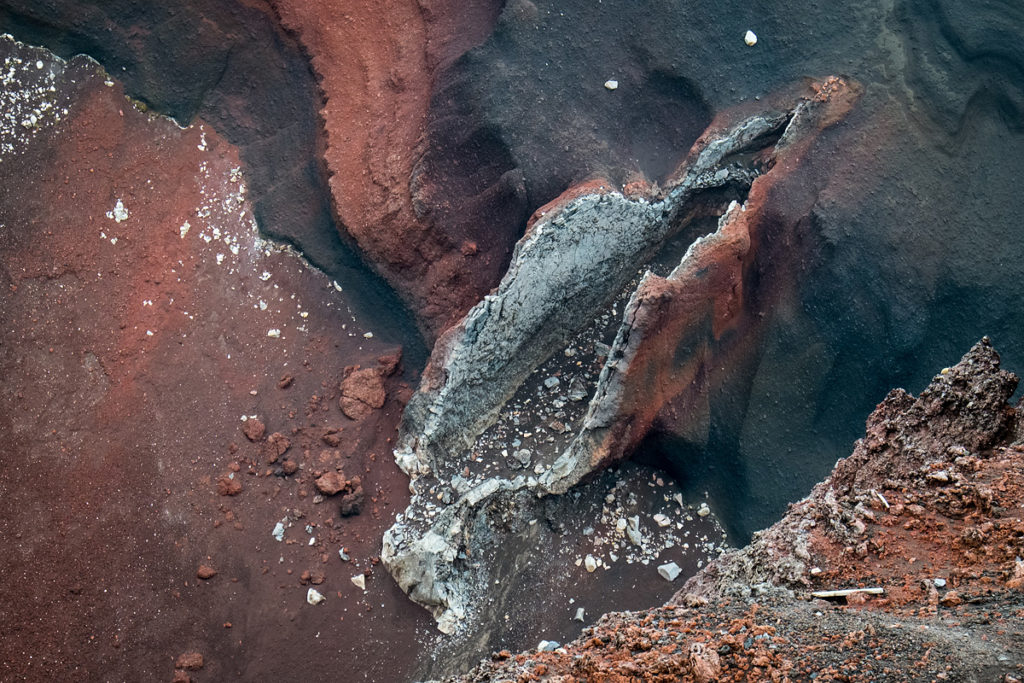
[[330, 483], [190, 661], [362, 392], [229, 485], [276, 446], [254, 429], [669, 571], [206, 572], [314, 597], [351, 502]]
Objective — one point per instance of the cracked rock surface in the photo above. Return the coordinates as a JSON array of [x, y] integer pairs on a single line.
[[573, 260]]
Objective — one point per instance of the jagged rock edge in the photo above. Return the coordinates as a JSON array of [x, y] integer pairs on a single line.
[[425, 568]]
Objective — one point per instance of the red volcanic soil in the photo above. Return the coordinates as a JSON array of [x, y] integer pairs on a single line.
[[377, 63], [136, 505], [924, 518]]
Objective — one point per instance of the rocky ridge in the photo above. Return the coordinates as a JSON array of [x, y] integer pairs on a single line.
[[545, 298], [904, 564]]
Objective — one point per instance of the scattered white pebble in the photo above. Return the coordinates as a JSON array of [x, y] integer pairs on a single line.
[[274, 332], [278, 532], [359, 581], [611, 84], [183, 230], [118, 213], [314, 597], [368, 335], [590, 563], [750, 38], [669, 571], [149, 333], [265, 276], [703, 510]]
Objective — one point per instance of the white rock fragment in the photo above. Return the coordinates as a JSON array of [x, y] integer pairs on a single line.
[[274, 332], [703, 510], [368, 335], [669, 571], [662, 520], [939, 583], [590, 563], [633, 531], [359, 581], [118, 213], [579, 614], [611, 84], [278, 532], [750, 38], [314, 597]]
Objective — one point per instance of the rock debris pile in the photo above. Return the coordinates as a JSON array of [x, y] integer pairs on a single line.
[[886, 571]]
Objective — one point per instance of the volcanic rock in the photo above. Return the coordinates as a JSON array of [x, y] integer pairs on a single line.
[[191, 661], [331, 483], [478, 364], [362, 391], [276, 445], [254, 429], [351, 501], [746, 615], [229, 485]]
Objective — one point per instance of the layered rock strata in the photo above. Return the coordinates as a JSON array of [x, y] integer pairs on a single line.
[[577, 258]]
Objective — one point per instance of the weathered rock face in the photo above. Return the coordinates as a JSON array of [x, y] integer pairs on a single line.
[[681, 332], [545, 298], [923, 516], [434, 203]]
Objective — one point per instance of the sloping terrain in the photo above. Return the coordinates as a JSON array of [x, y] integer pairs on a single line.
[[920, 530]]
